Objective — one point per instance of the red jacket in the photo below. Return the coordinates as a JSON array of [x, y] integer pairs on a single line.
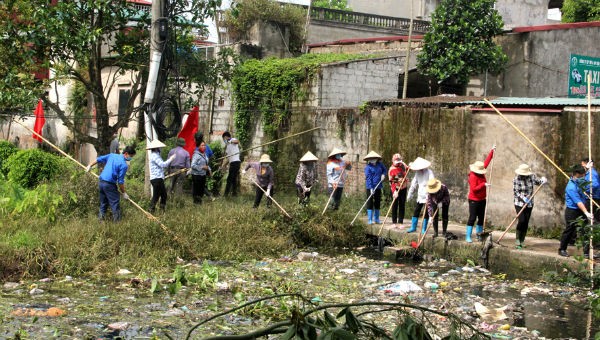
[[396, 174], [477, 191]]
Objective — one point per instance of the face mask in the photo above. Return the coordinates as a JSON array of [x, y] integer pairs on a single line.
[[264, 165], [127, 158], [372, 161], [338, 157], [202, 149], [226, 140]]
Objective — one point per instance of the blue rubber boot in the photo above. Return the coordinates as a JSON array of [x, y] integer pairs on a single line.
[[478, 231], [413, 226], [468, 234], [370, 215], [424, 227], [376, 216]]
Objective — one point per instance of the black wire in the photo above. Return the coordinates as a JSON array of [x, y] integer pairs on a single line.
[[166, 111]]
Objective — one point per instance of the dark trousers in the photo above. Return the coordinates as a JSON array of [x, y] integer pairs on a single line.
[[570, 232], [418, 207], [374, 201], [523, 223], [399, 207], [198, 185], [444, 211], [232, 179], [303, 197], [176, 180], [476, 212], [259, 194], [109, 195], [336, 198], [158, 191]]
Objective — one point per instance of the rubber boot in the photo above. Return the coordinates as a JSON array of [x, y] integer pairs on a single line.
[[468, 234], [479, 230], [376, 216], [413, 226], [444, 228], [370, 215], [424, 226]]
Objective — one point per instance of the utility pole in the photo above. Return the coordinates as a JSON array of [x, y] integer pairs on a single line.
[[158, 36], [407, 61]]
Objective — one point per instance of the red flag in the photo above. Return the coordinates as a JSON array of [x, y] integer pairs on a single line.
[[189, 130], [40, 120]]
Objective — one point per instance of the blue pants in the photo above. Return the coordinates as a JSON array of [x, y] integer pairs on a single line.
[[109, 195]]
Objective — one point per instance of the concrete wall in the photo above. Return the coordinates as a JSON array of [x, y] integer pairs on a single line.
[[516, 13], [394, 8], [321, 31], [538, 62], [351, 83]]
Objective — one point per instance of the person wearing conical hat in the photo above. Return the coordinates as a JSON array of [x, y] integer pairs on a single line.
[[264, 178], [477, 194], [374, 176], [438, 194], [306, 176], [181, 161], [112, 180], [523, 184], [399, 189], [419, 184], [157, 174], [337, 171], [200, 170]]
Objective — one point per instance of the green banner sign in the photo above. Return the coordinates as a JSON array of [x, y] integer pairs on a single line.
[[580, 66]]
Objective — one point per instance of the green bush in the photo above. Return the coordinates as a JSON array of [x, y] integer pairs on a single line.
[[214, 182], [30, 167], [7, 149]]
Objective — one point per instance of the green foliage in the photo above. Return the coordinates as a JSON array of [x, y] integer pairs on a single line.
[[40, 202], [580, 10], [341, 5], [214, 181], [7, 149], [244, 13], [460, 43], [30, 167], [265, 89]]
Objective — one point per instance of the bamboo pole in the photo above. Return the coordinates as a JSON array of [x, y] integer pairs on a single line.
[[334, 187], [489, 190], [591, 250], [427, 227], [177, 172], [271, 142], [149, 215], [519, 214], [368, 198], [269, 197], [423, 220], [394, 200]]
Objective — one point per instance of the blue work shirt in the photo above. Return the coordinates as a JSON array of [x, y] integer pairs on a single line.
[[573, 194], [373, 174], [595, 183], [115, 168]]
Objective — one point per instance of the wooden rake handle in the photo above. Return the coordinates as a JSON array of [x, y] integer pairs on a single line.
[[270, 197], [519, 214]]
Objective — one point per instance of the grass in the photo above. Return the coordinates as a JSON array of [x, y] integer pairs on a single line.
[[76, 243]]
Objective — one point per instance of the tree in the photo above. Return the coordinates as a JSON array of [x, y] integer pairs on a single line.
[[341, 5], [92, 43], [580, 10], [460, 43]]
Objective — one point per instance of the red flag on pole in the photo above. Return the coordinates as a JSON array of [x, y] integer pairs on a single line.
[[189, 130], [40, 120]]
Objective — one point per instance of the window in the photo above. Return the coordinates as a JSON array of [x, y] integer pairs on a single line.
[[124, 96]]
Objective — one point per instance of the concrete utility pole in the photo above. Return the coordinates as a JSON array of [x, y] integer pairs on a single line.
[[157, 41], [407, 61]]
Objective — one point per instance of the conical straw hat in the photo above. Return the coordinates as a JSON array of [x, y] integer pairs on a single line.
[[336, 151], [264, 158], [308, 157], [419, 164], [523, 170], [372, 155], [478, 168], [155, 144], [434, 185]]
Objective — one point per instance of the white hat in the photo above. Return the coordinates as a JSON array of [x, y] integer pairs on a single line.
[[478, 168], [155, 144], [434, 185], [264, 158], [524, 170], [308, 157], [419, 164], [336, 151], [372, 155]]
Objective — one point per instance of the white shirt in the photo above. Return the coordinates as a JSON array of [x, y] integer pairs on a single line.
[[232, 151], [421, 178], [157, 166]]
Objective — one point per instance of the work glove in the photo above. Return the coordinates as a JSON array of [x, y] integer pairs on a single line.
[[125, 196], [589, 215], [372, 191], [382, 177], [527, 200], [488, 184], [307, 189], [88, 168], [268, 192], [494, 147], [189, 172], [395, 194], [544, 180], [589, 165], [172, 158], [244, 172]]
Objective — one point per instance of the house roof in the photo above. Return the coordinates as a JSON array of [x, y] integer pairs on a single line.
[[556, 27], [453, 100]]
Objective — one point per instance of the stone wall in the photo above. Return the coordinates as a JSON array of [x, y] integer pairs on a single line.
[[517, 13]]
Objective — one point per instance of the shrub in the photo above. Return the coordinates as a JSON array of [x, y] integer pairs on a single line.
[[214, 182], [29, 167], [7, 149]]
